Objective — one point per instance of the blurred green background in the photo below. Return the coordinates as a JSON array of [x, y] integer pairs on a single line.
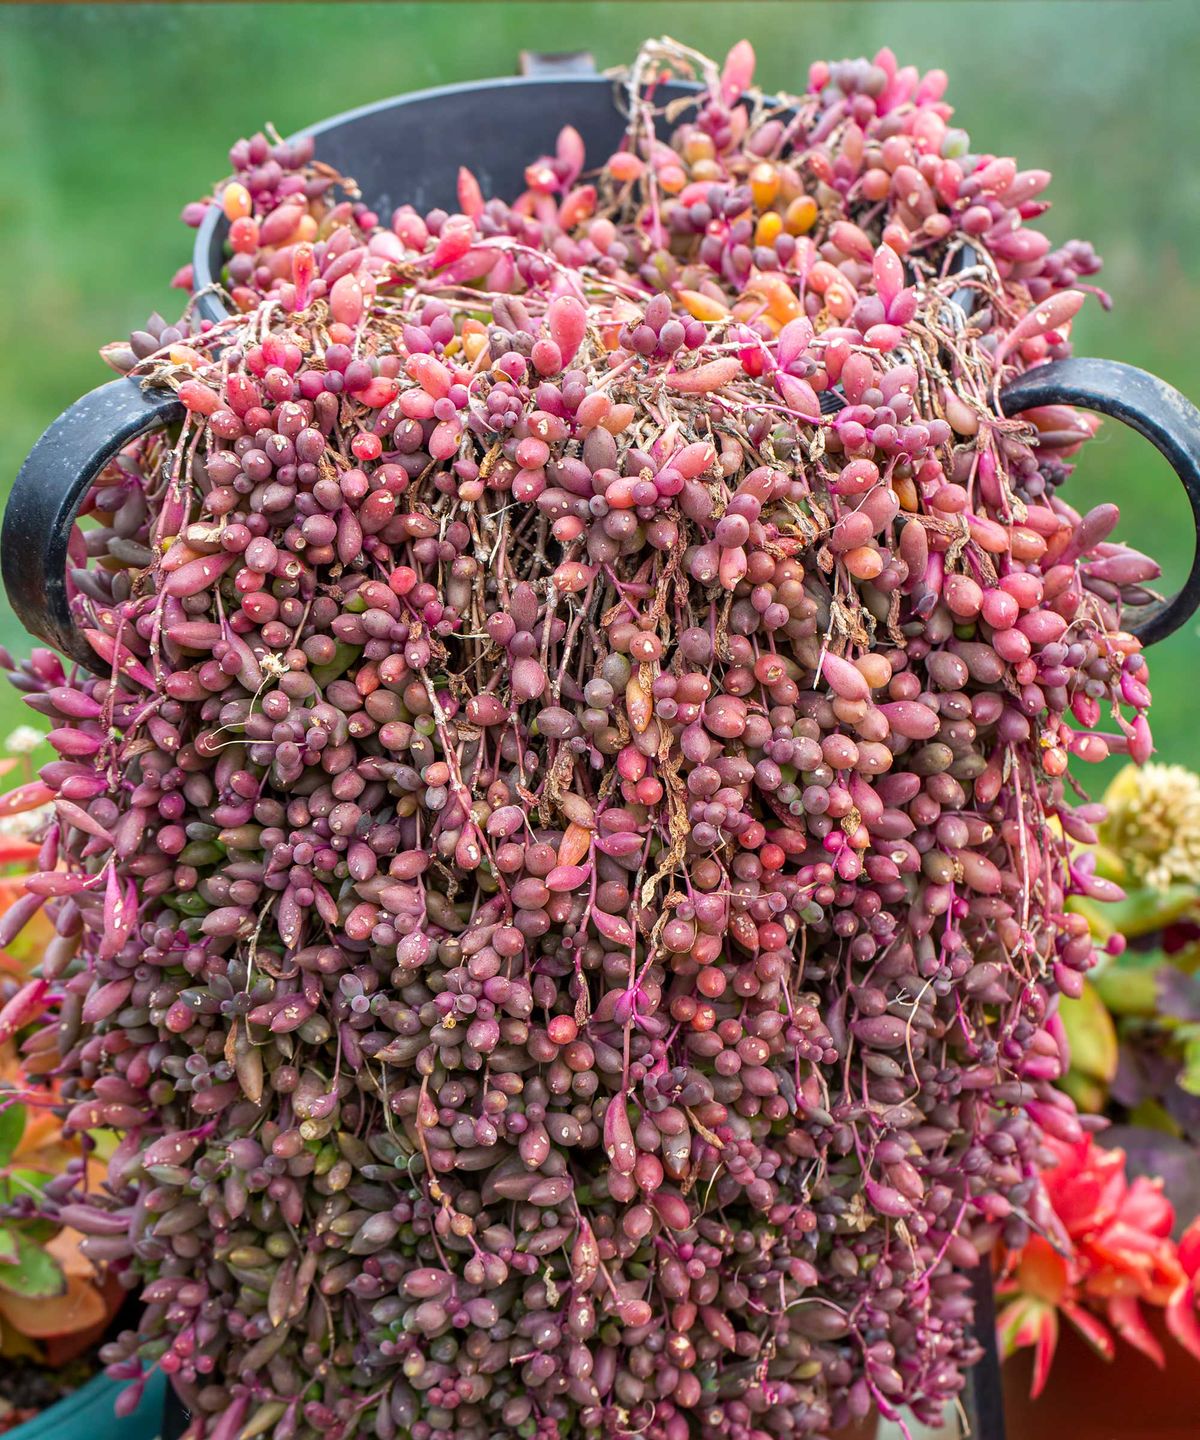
[[114, 116]]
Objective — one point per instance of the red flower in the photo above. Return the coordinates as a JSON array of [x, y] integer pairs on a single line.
[[1114, 1253], [1182, 1320]]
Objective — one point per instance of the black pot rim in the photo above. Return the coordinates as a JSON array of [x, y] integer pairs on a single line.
[[211, 232]]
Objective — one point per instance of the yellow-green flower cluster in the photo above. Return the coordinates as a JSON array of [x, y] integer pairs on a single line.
[[1153, 823]]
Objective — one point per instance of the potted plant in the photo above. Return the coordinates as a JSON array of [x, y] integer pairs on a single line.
[[1135, 1038], [560, 824], [55, 1309], [1133, 1035], [55, 1306], [1132, 1041], [1100, 1311]]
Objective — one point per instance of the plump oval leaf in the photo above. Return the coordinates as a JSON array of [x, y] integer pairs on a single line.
[[34, 1274], [12, 1127]]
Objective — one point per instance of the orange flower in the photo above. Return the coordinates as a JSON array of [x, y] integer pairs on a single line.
[[1114, 1254]]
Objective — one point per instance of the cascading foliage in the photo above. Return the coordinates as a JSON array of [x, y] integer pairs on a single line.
[[562, 875]]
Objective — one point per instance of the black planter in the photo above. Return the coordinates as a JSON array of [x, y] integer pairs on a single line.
[[175, 1416]]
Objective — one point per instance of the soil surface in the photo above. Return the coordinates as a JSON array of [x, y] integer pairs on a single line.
[[26, 1390]]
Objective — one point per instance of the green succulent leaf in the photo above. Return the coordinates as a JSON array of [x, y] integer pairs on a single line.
[[191, 904], [12, 1127], [1189, 1076], [1129, 984], [1145, 910], [1153, 1115], [1092, 1034], [1187, 959], [343, 657], [1088, 1094], [26, 1182], [8, 1245], [1142, 912], [1110, 864], [34, 1274]]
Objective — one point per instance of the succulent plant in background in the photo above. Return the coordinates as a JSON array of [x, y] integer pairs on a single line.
[[1108, 1251], [560, 885], [1134, 1034], [54, 1305]]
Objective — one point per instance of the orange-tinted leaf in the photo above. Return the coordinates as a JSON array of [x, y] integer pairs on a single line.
[[24, 797], [65, 1249], [42, 1146], [470, 197], [575, 844], [577, 207], [1042, 1271], [781, 300], [638, 705], [701, 306], [61, 1349], [81, 1307]]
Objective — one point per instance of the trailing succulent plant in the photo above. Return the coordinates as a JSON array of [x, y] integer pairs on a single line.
[[562, 868]]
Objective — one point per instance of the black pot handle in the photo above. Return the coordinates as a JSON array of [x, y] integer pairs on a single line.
[[58, 471], [46, 496], [1154, 409], [51, 484]]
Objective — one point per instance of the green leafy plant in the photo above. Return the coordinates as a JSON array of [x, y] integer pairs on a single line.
[[1134, 1033], [53, 1303]]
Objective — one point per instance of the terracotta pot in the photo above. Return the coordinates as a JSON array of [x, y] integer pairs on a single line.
[[1087, 1398], [864, 1430]]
